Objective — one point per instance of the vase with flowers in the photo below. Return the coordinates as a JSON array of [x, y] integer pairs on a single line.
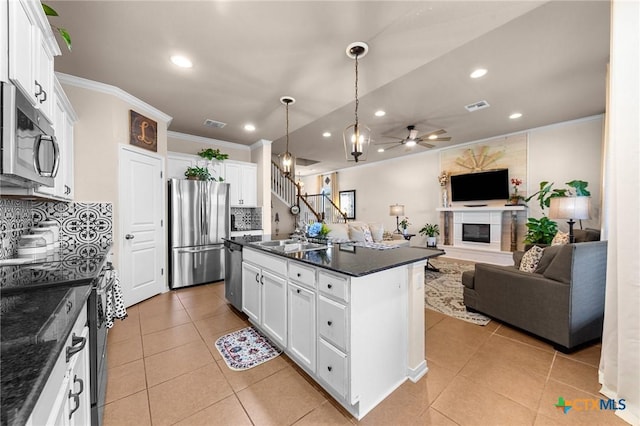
[[404, 224], [515, 198], [443, 178]]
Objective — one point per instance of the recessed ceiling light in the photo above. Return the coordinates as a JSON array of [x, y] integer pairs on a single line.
[[181, 61], [380, 113], [249, 127], [515, 115], [380, 149], [326, 134], [478, 73]]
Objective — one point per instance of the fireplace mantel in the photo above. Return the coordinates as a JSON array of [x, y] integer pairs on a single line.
[[490, 215]]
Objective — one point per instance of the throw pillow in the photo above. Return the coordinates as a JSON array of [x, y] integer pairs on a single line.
[[560, 238], [356, 231], [548, 254], [339, 231], [377, 230], [368, 238], [530, 259]]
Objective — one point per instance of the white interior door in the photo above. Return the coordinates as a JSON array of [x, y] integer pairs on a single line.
[[142, 243]]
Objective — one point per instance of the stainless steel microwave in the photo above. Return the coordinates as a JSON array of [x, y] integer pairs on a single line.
[[30, 153]]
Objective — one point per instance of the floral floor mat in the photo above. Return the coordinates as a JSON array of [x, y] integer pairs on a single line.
[[246, 348], [443, 291]]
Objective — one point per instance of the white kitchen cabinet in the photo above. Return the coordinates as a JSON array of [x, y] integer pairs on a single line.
[[65, 399], [301, 312], [178, 162], [243, 183], [31, 52], [264, 293], [64, 118]]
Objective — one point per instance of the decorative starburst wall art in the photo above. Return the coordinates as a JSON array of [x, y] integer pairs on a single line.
[[479, 161]]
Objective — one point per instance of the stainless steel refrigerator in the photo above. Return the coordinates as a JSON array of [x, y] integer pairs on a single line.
[[198, 222]]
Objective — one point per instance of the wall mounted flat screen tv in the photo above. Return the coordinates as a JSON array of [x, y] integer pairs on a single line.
[[481, 186]]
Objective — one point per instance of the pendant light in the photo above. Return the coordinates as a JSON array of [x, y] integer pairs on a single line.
[[286, 159], [357, 136]]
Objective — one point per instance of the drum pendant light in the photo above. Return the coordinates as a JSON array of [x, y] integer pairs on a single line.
[[357, 136], [286, 159]]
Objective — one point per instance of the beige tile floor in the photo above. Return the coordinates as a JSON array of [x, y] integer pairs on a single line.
[[164, 369]]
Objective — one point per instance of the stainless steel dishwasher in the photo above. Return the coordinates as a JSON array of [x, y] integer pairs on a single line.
[[233, 274]]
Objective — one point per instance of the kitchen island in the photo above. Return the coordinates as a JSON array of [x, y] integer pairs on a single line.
[[351, 317]]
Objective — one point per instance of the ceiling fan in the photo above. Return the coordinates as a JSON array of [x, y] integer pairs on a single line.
[[412, 139]]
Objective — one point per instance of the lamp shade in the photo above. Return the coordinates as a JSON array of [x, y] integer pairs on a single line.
[[569, 208], [396, 210]]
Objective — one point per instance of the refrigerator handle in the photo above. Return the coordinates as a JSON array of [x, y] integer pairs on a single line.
[[207, 206]]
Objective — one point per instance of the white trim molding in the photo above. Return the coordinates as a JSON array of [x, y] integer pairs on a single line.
[[96, 86]]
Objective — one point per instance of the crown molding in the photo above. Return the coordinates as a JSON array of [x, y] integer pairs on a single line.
[[139, 105], [208, 141], [260, 143]]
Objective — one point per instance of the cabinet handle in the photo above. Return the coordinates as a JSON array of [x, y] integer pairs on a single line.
[[329, 323], [40, 91], [329, 368], [77, 344], [258, 278], [262, 280], [329, 285], [298, 290], [45, 96], [298, 274], [76, 396]]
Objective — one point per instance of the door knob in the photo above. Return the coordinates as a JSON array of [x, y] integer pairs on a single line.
[[129, 237]]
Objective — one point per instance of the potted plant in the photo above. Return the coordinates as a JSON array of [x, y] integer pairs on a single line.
[[515, 198], [404, 224], [197, 173], [430, 231], [211, 154]]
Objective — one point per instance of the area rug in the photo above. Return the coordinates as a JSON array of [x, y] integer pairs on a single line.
[[443, 291], [246, 348]]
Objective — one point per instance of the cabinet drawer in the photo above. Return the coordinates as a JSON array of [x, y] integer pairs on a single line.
[[302, 274], [334, 286], [332, 322], [275, 264], [332, 367]]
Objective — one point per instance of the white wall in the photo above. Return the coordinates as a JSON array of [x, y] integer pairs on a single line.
[[557, 153], [190, 144]]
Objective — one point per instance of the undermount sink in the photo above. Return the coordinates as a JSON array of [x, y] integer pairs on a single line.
[[290, 246]]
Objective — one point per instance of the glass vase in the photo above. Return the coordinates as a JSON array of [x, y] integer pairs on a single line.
[[445, 198]]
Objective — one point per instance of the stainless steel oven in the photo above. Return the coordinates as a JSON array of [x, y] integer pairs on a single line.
[[98, 341], [30, 154]]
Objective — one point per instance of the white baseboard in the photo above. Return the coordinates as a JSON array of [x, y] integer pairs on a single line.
[[478, 255], [418, 372]]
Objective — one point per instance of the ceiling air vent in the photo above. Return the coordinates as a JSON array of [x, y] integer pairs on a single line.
[[213, 123], [477, 105]]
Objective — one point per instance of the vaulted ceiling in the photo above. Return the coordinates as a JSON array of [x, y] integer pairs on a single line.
[[546, 60]]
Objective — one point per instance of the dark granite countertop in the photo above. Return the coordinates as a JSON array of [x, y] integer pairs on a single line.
[[346, 258], [35, 321]]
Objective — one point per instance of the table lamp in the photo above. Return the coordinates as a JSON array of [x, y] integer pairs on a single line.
[[569, 208], [397, 210]]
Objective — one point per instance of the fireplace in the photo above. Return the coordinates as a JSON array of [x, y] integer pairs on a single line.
[[476, 232]]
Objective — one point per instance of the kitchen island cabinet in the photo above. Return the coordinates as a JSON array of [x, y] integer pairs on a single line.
[[354, 317]]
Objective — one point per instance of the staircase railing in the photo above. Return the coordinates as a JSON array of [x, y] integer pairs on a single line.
[[288, 191], [327, 209]]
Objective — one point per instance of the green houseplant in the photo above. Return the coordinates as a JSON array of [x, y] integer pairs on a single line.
[[197, 173], [430, 231], [211, 154], [542, 231]]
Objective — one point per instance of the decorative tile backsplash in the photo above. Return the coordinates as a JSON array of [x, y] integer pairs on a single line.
[[15, 220], [80, 223], [246, 218]]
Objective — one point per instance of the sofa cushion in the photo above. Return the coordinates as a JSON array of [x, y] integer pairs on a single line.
[[548, 254], [560, 238], [517, 258], [560, 267], [359, 231], [377, 230], [530, 259], [339, 231], [467, 278]]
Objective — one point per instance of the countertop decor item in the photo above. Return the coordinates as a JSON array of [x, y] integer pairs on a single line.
[[197, 173]]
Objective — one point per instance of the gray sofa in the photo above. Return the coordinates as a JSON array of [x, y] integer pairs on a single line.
[[562, 301]]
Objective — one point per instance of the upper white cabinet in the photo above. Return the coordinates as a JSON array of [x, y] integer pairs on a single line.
[[243, 180], [31, 52], [177, 164], [64, 118]]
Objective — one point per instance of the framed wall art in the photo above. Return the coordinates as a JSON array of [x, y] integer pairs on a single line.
[[143, 131], [348, 203]]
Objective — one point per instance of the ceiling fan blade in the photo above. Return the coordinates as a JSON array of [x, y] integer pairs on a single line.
[[426, 145], [437, 132], [395, 146], [388, 143], [440, 139]]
